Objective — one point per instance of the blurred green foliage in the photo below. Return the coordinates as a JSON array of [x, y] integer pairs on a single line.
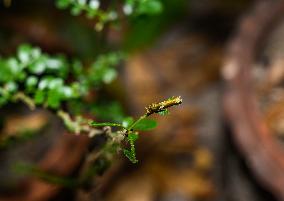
[[33, 170], [65, 85], [92, 9], [24, 136], [144, 29], [44, 79]]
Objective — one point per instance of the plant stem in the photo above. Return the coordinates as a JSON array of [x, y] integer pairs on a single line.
[[136, 122], [26, 99]]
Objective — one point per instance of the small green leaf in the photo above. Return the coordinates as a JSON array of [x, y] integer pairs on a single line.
[[76, 10], [130, 156], [91, 13], [127, 122], [44, 82], [3, 100], [11, 86], [63, 3], [39, 65], [14, 66], [94, 4], [54, 63], [150, 7], [103, 69], [35, 52], [53, 98], [77, 67], [39, 97], [109, 75], [164, 112], [96, 124], [24, 52], [55, 83], [132, 137], [31, 82], [145, 125], [82, 2], [67, 92]]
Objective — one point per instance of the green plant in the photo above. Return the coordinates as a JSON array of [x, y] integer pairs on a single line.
[[111, 14], [62, 85], [129, 128], [39, 79]]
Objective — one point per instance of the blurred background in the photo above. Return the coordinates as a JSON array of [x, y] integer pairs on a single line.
[[223, 143]]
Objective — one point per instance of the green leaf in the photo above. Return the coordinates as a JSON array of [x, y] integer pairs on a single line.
[[44, 82], [76, 90], [55, 83], [3, 100], [24, 52], [76, 10], [109, 75], [102, 70], [35, 52], [53, 98], [91, 13], [39, 97], [130, 155], [14, 66], [77, 67], [145, 125], [67, 92], [11, 86], [132, 137], [82, 2], [127, 122], [96, 124], [150, 7], [62, 4], [39, 65], [94, 4], [54, 63], [164, 112], [31, 82]]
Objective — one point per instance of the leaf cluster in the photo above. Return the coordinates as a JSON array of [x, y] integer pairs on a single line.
[[93, 10], [44, 80]]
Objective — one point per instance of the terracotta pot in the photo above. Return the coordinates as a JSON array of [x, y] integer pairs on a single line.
[[263, 153]]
